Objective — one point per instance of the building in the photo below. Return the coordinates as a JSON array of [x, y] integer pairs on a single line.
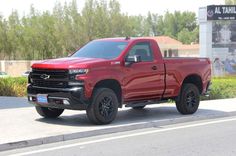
[[15, 68], [173, 48]]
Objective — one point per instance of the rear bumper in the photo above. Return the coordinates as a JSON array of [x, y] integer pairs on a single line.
[[63, 98]]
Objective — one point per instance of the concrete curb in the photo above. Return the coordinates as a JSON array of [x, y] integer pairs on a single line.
[[122, 128]]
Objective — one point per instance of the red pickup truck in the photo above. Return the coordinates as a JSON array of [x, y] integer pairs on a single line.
[[107, 73]]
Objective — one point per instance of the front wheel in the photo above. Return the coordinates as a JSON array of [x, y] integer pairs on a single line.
[[49, 112], [188, 100], [104, 106]]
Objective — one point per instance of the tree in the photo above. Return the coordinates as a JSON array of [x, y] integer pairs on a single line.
[[187, 36], [3, 38], [88, 20], [154, 22], [40, 35], [14, 34]]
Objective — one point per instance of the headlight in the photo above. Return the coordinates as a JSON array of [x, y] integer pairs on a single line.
[[78, 71]]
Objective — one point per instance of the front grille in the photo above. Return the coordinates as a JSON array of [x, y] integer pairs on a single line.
[[55, 78], [54, 84]]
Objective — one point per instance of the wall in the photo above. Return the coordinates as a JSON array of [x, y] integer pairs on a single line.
[[15, 68]]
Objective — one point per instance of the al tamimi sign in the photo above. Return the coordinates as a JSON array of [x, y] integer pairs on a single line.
[[221, 12]]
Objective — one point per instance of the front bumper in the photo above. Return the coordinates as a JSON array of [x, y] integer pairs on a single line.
[[62, 98]]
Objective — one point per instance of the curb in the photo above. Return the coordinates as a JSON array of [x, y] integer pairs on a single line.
[[115, 129]]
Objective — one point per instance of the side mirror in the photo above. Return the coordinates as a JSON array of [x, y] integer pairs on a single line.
[[132, 59]]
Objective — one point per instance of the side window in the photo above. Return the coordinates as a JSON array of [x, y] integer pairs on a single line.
[[142, 49]]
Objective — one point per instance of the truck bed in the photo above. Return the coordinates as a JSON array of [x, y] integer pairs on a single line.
[[177, 68]]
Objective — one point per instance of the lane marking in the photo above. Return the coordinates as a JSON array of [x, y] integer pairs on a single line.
[[123, 136]]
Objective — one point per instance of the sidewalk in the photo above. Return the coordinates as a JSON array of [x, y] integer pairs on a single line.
[[21, 126]]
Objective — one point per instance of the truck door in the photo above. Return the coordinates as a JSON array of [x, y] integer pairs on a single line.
[[145, 79]]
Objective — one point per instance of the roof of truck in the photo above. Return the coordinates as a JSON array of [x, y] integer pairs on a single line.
[[124, 39]]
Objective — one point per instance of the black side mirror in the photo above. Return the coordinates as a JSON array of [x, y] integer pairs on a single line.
[[132, 59]]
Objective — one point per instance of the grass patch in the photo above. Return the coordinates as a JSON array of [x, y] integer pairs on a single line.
[[222, 88], [13, 86]]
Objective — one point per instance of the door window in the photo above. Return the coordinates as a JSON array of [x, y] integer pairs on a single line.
[[142, 49]]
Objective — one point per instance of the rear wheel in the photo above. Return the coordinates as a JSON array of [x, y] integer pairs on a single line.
[[49, 112], [104, 106], [188, 100]]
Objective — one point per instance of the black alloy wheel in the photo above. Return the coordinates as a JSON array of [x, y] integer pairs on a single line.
[[104, 106], [188, 100]]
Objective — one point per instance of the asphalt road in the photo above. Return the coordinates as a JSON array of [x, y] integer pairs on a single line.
[[13, 103], [206, 137]]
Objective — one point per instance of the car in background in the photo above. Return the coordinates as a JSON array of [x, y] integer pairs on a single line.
[[3, 75], [26, 74]]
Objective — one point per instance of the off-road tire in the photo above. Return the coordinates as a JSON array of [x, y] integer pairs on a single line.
[[188, 100], [49, 112], [103, 107]]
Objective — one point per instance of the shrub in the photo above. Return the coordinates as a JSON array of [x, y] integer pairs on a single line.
[[13, 86], [222, 88]]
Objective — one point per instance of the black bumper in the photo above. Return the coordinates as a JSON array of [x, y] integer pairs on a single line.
[[63, 98]]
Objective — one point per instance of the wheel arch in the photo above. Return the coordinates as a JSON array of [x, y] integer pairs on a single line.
[[113, 85], [194, 79]]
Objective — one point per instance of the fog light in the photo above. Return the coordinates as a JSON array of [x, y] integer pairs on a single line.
[[66, 102], [76, 83], [30, 98]]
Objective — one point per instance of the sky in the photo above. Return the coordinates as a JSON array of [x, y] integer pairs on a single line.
[[131, 7]]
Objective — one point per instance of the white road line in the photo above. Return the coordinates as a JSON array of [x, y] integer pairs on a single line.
[[123, 136]]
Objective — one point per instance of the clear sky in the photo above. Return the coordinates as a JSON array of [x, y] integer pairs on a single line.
[[132, 7]]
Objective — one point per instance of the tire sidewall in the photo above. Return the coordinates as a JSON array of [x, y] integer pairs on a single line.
[[182, 102], [100, 94], [49, 112]]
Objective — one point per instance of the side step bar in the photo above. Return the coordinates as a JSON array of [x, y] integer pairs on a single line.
[[144, 103]]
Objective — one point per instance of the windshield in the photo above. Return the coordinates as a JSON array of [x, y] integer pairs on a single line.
[[101, 49]]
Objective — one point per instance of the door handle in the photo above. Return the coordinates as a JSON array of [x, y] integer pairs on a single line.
[[154, 67]]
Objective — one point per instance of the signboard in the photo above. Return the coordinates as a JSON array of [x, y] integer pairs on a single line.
[[224, 47], [221, 12]]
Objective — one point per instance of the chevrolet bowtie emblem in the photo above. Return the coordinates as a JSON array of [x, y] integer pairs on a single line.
[[44, 76]]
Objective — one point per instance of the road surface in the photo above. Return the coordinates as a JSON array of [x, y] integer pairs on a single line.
[[205, 137]]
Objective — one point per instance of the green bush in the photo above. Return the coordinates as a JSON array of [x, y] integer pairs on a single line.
[[13, 86], [222, 88]]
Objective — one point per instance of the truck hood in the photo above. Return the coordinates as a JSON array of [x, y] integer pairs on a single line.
[[68, 63]]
